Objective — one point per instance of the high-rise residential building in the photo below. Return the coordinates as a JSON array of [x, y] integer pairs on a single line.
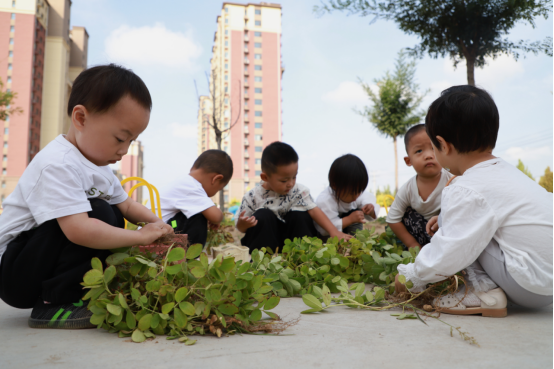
[[245, 90], [132, 165], [39, 59]]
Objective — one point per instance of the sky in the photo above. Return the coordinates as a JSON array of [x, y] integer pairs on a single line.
[[169, 46]]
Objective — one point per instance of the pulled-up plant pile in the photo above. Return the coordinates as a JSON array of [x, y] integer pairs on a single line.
[[141, 295]]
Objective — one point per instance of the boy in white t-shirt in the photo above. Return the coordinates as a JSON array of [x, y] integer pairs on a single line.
[[68, 206], [419, 199], [187, 206]]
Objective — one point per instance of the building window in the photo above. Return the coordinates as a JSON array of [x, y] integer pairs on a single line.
[[4, 172], [258, 125], [226, 101], [225, 89], [226, 32], [3, 184], [257, 34], [6, 131], [10, 54], [5, 159], [257, 56], [257, 67], [9, 79], [226, 66], [5, 144], [258, 161], [226, 44], [226, 77], [258, 114], [257, 44], [13, 15], [10, 66], [258, 172], [258, 90], [257, 23], [257, 79], [226, 54], [258, 11], [258, 137], [11, 41], [12, 29], [226, 21], [226, 9], [257, 102]]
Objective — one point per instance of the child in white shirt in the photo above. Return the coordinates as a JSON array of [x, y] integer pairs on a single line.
[[279, 208], [345, 201], [186, 204], [495, 222], [419, 199], [68, 205]]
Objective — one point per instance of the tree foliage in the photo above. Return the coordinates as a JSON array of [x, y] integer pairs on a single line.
[[461, 29], [394, 105], [6, 100], [524, 169], [546, 180]]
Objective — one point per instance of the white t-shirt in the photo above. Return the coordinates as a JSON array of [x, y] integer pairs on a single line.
[[58, 182], [327, 202], [185, 195], [297, 199], [492, 200], [408, 195]]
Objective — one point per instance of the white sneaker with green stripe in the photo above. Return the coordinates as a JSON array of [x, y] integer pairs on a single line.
[[64, 316]]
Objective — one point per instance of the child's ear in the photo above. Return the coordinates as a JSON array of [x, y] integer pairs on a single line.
[[216, 178], [407, 161], [78, 116], [264, 177], [445, 147]]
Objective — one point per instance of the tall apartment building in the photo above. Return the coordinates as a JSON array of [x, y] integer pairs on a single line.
[[39, 59], [132, 165], [245, 88]]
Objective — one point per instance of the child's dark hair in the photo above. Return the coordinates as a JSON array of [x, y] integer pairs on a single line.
[[411, 133], [348, 176], [99, 88], [277, 154], [466, 117], [215, 161]]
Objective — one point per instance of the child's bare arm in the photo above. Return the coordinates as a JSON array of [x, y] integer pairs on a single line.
[[401, 232], [356, 217], [135, 212], [213, 214], [95, 234], [320, 218]]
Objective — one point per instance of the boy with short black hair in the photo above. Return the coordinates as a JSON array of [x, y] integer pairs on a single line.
[[419, 199], [279, 208], [68, 206], [187, 206]]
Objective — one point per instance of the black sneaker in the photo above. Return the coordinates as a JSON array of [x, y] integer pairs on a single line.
[[64, 316]]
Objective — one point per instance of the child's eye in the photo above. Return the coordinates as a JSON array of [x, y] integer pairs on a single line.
[[118, 140], [418, 151]]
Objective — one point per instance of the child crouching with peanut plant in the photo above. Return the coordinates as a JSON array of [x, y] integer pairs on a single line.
[[495, 222], [68, 206]]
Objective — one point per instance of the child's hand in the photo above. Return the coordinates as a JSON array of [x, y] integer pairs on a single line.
[[432, 226], [340, 235], [369, 209], [357, 217], [246, 222], [167, 227], [152, 231]]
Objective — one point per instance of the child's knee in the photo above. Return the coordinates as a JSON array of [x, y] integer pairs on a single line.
[[105, 212], [264, 215]]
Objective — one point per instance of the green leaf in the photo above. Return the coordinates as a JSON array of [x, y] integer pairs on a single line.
[[213, 295], [296, 286], [116, 259], [272, 302], [96, 264], [336, 279], [135, 294], [176, 254], [166, 308], [93, 277], [335, 261], [109, 274], [310, 311], [187, 308], [114, 309], [257, 282], [317, 291], [138, 336], [144, 322], [204, 260], [198, 272], [97, 319], [227, 264], [194, 251], [256, 315], [135, 269], [123, 302], [173, 269], [146, 262], [326, 295], [130, 320], [190, 342], [311, 301], [243, 268], [283, 277], [153, 286], [360, 288], [228, 309], [180, 318], [401, 279], [181, 294], [369, 296]]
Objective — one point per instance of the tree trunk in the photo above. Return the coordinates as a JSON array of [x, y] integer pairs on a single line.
[[395, 167], [470, 64], [218, 139]]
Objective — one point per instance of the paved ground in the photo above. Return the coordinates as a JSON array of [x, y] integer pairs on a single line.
[[343, 338]]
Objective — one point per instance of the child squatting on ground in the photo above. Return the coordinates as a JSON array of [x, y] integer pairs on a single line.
[[419, 199], [186, 204], [495, 222], [279, 208], [345, 201], [68, 207]]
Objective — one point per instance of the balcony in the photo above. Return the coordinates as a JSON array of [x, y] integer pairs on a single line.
[[246, 120], [246, 50], [246, 130], [246, 167], [246, 95], [246, 38], [246, 61], [246, 155], [246, 73], [245, 83], [246, 108], [246, 179], [246, 143]]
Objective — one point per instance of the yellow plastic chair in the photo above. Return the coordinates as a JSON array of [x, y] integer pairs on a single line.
[[385, 203], [154, 200]]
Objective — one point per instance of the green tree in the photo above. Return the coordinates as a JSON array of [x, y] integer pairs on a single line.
[[546, 180], [524, 169], [394, 105], [6, 100], [460, 29]]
